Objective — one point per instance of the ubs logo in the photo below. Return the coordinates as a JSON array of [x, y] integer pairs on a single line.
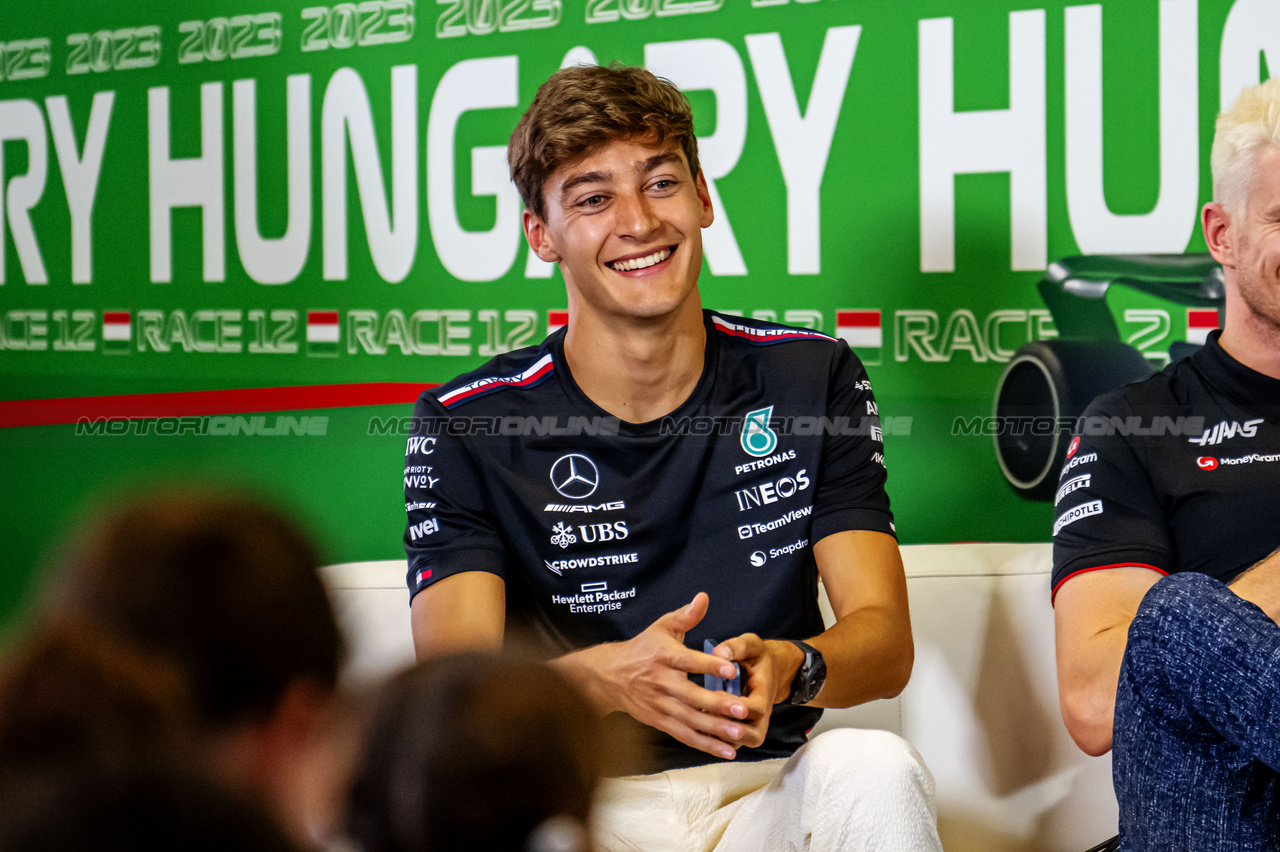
[[575, 476]]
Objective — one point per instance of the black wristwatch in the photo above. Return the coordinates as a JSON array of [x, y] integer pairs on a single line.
[[810, 677]]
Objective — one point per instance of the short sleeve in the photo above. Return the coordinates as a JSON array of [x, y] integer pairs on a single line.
[[851, 492], [1106, 512], [451, 528]]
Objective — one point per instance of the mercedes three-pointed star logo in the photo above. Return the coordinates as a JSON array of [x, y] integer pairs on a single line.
[[575, 476]]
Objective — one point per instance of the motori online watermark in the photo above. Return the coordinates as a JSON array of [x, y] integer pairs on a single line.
[[1091, 425], [216, 426], [574, 426]]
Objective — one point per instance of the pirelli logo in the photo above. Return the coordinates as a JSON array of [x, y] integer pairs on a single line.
[[1072, 484]]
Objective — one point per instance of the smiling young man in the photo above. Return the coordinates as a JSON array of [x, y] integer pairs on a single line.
[[653, 482], [1166, 570]]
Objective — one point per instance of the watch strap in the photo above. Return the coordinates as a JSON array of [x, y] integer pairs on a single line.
[[802, 686]]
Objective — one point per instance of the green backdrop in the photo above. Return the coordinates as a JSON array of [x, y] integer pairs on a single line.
[[205, 198]]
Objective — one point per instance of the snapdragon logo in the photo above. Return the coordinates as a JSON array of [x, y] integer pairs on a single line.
[[790, 548]]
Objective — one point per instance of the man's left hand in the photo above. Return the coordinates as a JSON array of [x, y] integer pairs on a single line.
[[768, 668]]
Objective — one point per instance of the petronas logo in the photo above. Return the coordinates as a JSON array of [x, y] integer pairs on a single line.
[[757, 438]]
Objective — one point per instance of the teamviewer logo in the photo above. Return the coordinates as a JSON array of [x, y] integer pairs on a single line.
[[744, 532]]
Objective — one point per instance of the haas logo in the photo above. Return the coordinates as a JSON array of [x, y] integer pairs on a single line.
[[1206, 463]]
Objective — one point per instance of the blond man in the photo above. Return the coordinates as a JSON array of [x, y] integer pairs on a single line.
[[1166, 578]]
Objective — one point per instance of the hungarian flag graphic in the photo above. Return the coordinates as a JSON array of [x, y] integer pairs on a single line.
[[116, 332], [1200, 321], [556, 320], [322, 333], [861, 330]]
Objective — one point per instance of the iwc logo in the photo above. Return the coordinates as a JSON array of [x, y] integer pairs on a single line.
[[575, 476], [757, 438]]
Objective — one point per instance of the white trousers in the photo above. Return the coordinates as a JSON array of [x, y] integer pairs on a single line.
[[847, 789]]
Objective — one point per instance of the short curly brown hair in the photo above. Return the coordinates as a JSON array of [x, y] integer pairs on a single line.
[[581, 109]]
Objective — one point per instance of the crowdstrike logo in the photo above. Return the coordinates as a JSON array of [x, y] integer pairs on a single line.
[[559, 566], [575, 476]]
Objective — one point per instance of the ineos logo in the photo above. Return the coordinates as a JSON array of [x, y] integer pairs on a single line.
[[575, 476], [1207, 463]]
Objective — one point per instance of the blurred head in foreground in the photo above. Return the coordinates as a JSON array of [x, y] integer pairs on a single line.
[[134, 809], [476, 751], [223, 590], [74, 699]]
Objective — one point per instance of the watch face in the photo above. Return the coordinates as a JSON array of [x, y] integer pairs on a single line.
[[811, 676]]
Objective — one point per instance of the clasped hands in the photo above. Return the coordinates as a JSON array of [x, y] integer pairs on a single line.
[[647, 678]]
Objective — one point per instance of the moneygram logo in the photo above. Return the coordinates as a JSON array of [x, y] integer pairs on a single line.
[[757, 438], [1207, 463], [1075, 445], [575, 476]]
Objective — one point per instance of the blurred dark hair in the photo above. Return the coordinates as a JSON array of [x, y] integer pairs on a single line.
[[473, 751], [73, 697], [220, 586], [136, 809]]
